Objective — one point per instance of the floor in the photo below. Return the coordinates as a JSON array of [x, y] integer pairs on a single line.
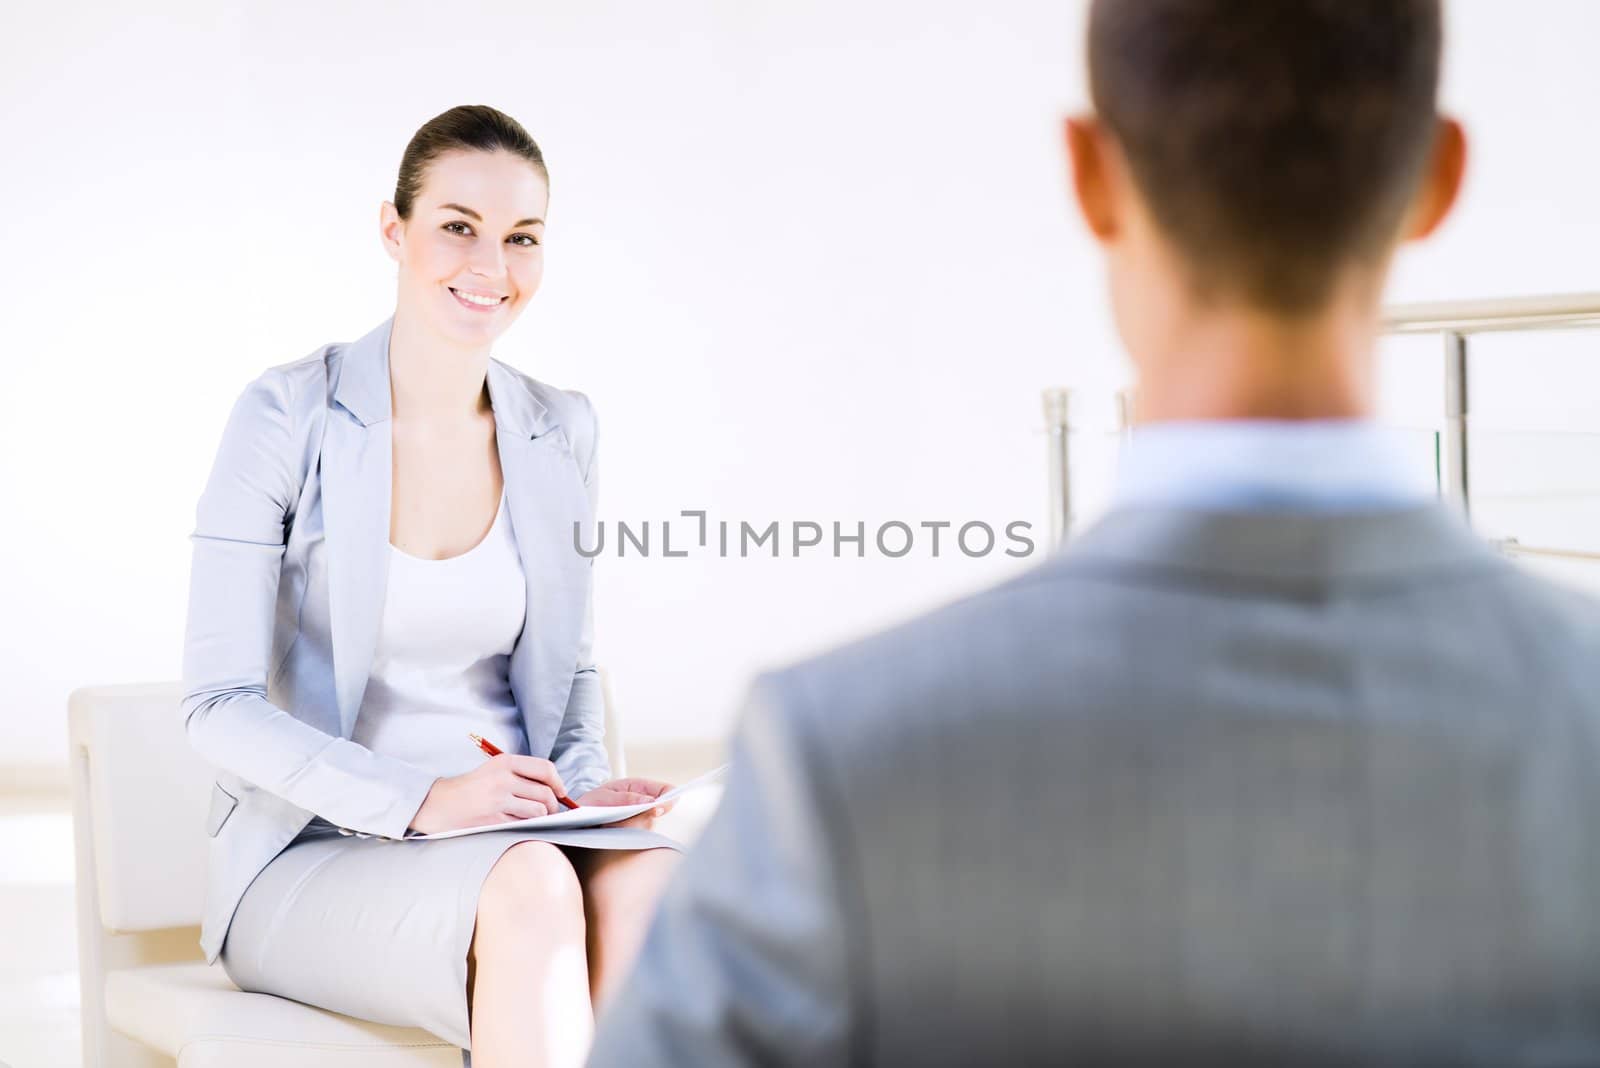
[[38, 965]]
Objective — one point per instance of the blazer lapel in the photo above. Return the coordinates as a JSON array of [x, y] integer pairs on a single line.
[[356, 472], [545, 495]]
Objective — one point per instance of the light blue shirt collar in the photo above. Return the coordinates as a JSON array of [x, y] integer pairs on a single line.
[[1274, 465]]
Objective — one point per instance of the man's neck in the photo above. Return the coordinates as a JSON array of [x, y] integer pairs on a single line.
[[431, 380], [1230, 362]]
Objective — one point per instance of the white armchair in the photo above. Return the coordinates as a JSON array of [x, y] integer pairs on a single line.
[[139, 811]]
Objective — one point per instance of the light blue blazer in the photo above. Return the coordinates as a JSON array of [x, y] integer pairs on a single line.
[[290, 558]]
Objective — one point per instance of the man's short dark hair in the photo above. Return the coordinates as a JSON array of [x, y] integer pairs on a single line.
[[1276, 141]]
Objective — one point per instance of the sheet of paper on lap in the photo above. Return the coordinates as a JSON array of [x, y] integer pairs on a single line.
[[584, 816]]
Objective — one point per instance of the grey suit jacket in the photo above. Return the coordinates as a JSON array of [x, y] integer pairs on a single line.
[[1203, 789], [290, 557]]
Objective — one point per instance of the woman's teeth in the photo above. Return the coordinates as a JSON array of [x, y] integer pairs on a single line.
[[481, 302]]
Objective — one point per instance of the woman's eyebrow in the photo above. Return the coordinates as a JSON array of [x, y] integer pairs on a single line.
[[474, 215]]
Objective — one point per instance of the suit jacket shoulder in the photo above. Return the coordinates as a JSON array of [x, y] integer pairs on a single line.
[[930, 673], [1087, 635], [308, 380]]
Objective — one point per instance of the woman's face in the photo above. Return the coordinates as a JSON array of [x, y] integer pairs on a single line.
[[472, 253]]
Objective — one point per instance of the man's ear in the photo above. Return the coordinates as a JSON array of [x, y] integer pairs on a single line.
[[1089, 154], [1441, 180]]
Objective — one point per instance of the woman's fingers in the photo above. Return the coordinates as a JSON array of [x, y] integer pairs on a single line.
[[536, 769], [643, 819], [649, 787], [621, 797], [519, 809], [527, 794]]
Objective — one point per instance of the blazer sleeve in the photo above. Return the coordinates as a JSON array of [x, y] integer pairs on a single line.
[[579, 752], [746, 961], [237, 553]]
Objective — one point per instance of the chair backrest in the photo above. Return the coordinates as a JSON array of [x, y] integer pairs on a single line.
[[145, 792], [615, 752], [140, 793]]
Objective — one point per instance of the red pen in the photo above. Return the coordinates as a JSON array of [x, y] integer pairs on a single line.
[[493, 750]]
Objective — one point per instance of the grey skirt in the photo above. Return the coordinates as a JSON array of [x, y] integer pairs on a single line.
[[378, 929]]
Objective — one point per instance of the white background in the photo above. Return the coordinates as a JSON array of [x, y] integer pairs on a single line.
[[811, 261]]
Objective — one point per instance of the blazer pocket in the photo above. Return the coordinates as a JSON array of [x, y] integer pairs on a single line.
[[222, 804]]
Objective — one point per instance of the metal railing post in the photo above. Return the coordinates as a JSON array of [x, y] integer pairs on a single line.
[[1454, 481], [1058, 435]]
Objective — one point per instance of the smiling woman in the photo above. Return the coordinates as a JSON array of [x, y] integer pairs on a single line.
[[473, 234], [381, 569]]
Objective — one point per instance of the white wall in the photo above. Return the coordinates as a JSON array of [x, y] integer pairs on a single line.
[[812, 262]]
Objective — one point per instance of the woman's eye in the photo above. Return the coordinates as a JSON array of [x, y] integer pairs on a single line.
[[532, 241], [464, 227]]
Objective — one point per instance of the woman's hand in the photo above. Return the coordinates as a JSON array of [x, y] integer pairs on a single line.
[[502, 789], [630, 792]]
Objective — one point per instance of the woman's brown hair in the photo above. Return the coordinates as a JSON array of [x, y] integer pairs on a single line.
[[470, 127]]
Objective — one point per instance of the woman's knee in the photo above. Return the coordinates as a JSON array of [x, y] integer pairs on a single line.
[[629, 883], [530, 879]]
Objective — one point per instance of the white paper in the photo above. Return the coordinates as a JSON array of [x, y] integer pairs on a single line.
[[586, 816]]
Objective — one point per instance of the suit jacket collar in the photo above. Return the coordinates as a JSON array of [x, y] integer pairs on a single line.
[[1284, 549], [363, 388], [545, 496]]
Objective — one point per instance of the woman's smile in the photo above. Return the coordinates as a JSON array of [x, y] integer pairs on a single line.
[[477, 300]]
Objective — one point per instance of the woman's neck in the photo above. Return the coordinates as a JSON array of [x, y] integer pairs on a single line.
[[432, 380]]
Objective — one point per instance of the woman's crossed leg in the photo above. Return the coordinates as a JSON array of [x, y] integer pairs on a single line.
[[553, 938]]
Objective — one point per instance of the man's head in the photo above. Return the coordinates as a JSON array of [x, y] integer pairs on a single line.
[[1262, 153]]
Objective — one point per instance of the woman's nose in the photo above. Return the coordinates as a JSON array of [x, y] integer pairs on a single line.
[[488, 260]]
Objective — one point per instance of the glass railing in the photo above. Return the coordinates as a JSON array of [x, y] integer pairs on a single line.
[[1536, 495], [1498, 402]]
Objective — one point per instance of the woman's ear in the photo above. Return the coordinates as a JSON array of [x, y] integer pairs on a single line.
[[1441, 180], [1090, 157], [390, 228]]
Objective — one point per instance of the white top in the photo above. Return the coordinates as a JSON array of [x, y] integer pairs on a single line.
[[443, 658]]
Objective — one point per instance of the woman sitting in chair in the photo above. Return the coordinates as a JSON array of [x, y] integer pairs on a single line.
[[384, 564]]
